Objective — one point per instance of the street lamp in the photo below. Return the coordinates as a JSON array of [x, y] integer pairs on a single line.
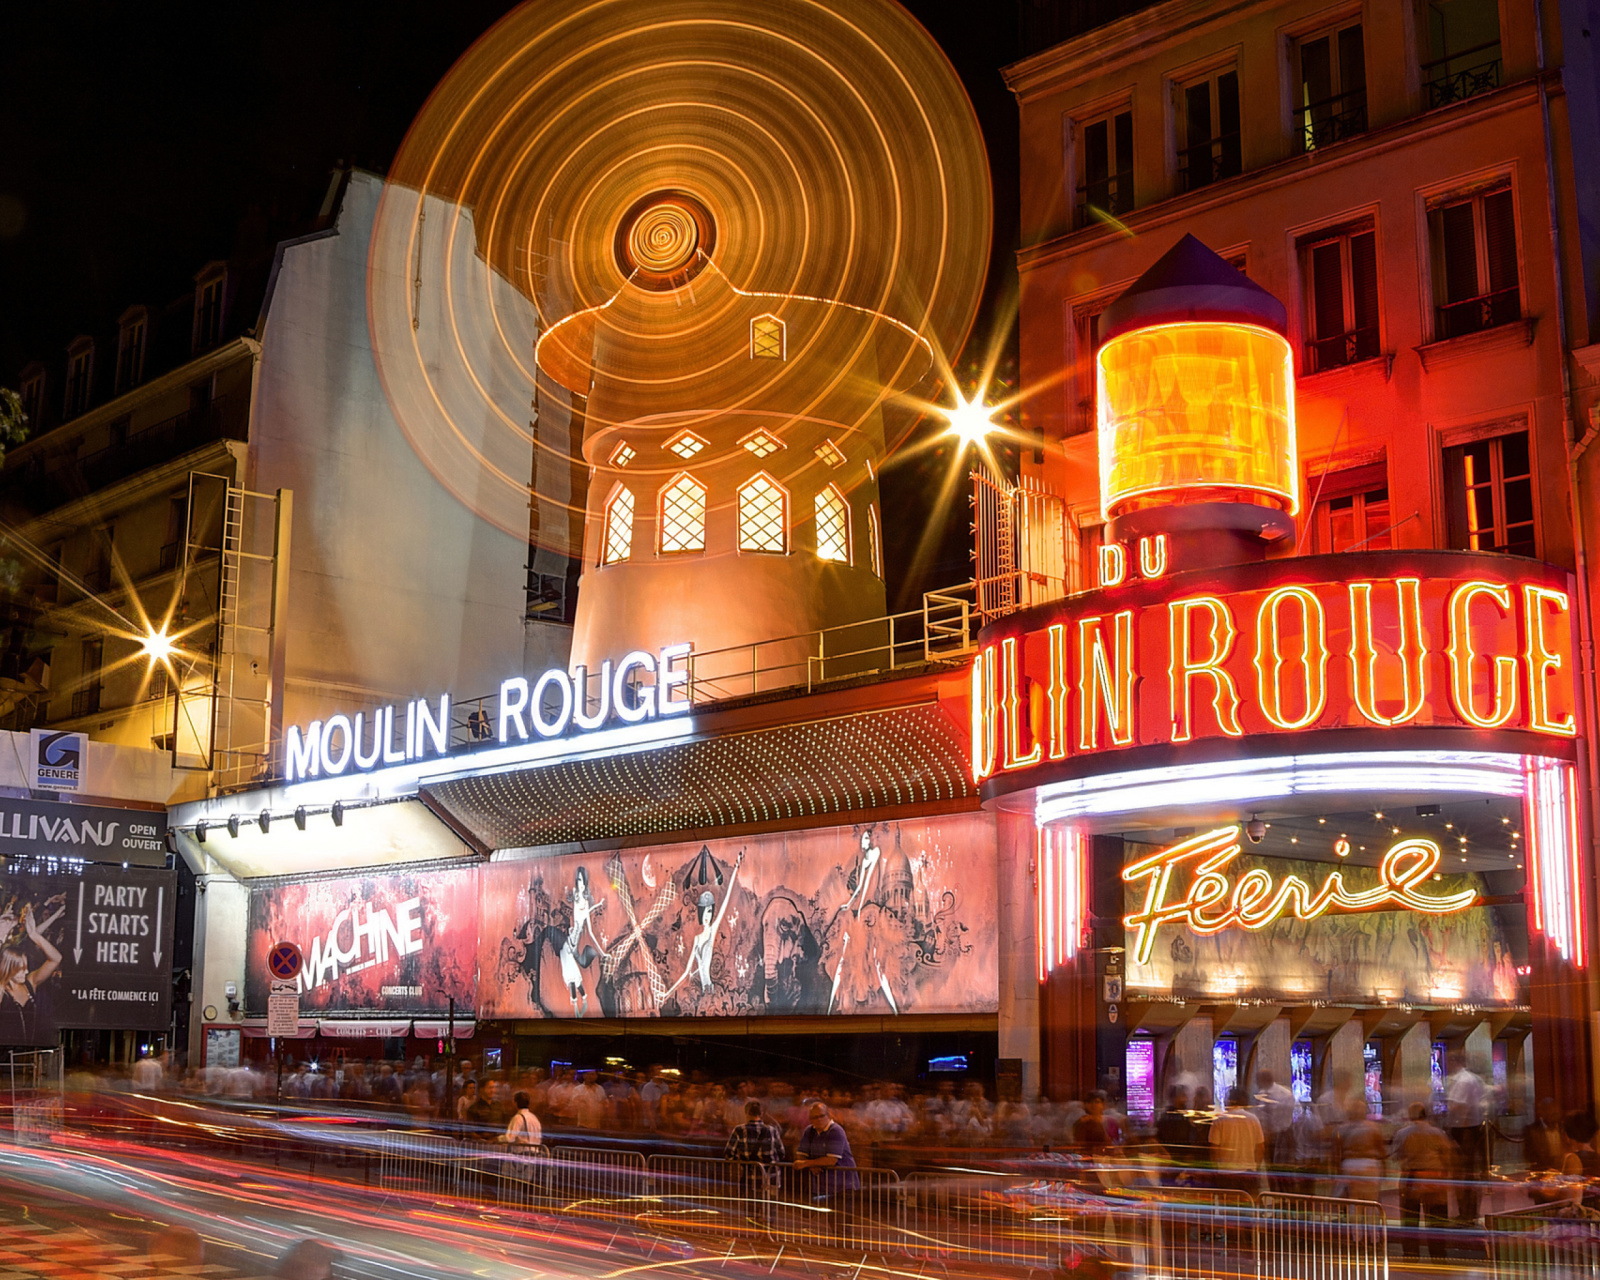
[[971, 421], [157, 646]]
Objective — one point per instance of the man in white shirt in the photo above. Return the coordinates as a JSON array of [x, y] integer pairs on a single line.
[[1464, 1096], [524, 1129], [147, 1074]]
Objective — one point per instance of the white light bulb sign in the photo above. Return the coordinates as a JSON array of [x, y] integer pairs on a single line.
[[640, 686]]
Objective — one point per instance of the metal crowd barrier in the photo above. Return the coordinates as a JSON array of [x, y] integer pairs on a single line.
[[1309, 1237], [34, 1121], [1551, 1240], [986, 1220]]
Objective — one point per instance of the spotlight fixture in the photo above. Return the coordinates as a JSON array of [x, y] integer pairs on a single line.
[[338, 813], [300, 817], [1427, 811], [233, 825], [264, 821], [200, 832], [1255, 829]]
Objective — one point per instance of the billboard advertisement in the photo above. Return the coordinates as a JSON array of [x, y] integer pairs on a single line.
[[400, 943], [881, 919], [92, 950]]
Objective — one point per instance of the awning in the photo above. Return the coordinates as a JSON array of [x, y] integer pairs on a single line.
[[464, 1029], [362, 1029], [256, 1029]]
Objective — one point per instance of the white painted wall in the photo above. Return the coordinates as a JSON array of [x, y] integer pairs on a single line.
[[403, 581], [221, 922]]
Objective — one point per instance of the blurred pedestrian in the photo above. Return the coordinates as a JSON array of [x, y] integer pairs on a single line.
[[1176, 1133], [176, 1247], [307, 1260], [1238, 1145], [1090, 1135], [1581, 1161], [1465, 1095], [1424, 1154], [1276, 1113]]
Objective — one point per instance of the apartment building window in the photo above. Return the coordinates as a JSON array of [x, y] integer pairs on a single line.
[[32, 392], [1475, 277], [99, 575], [209, 294], [1333, 87], [1339, 269], [1352, 511], [86, 697], [1463, 50], [130, 348], [80, 377], [1208, 130], [1105, 166], [1489, 493]]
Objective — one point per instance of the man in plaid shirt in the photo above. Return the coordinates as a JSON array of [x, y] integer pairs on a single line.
[[758, 1147]]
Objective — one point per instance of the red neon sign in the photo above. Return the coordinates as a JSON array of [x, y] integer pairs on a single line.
[[1313, 644]]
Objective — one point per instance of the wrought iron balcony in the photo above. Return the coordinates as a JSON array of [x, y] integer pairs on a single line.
[[1333, 120], [1447, 83], [1211, 161], [1342, 349], [1471, 315], [1112, 195]]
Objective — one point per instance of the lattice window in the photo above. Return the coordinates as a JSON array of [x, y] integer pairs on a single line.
[[685, 444], [831, 454], [833, 526], [623, 454], [763, 516], [619, 526], [683, 515], [875, 539], [767, 338], [761, 443]]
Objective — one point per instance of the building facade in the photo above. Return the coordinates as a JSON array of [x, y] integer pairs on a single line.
[[1405, 179]]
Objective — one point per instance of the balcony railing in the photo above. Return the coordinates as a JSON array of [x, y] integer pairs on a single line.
[[1208, 162], [55, 476], [1472, 315], [1449, 83], [1111, 195], [1342, 349], [1333, 119]]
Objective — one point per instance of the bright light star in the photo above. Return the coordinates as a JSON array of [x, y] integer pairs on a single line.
[[157, 646], [971, 420]]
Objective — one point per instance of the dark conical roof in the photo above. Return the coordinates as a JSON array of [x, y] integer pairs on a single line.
[[1190, 282]]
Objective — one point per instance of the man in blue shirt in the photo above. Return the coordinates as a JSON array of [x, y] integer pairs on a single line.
[[823, 1152]]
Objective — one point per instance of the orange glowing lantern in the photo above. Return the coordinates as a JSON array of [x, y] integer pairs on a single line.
[[1195, 383]]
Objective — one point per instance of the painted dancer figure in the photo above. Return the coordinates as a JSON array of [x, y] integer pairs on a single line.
[[871, 855], [575, 954], [700, 950]]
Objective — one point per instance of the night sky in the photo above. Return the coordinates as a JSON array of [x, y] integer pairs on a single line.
[[138, 142]]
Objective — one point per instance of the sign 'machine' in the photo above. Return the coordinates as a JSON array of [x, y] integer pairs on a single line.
[[1384, 641]]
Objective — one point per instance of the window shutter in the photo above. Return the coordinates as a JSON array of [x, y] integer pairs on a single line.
[[1500, 241], [1364, 280], [1096, 156], [1327, 291], [1460, 252], [1352, 60]]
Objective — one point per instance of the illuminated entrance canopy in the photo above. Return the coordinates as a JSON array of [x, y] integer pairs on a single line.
[[638, 687], [1445, 640], [1215, 902]]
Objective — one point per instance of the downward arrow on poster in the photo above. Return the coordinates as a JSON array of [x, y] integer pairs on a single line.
[[161, 894], [77, 945]]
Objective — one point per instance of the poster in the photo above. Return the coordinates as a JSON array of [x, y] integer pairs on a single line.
[[406, 942], [87, 950], [882, 919], [1469, 956]]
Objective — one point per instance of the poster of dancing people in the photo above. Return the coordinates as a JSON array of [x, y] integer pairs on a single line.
[[90, 950], [879, 919]]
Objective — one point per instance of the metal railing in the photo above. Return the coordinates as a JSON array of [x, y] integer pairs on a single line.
[[1551, 1240], [1333, 119], [1342, 349], [1446, 83], [1472, 315], [1211, 161], [1295, 1235]]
